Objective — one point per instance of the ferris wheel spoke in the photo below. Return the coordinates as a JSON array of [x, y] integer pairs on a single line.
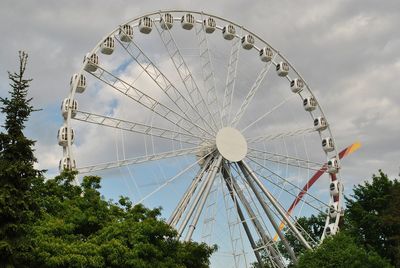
[[322, 205], [147, 101], [186, 76], [163, 82], [268, 112], [274, 136], [253, 90], [235, 190], [230, 80], [283, 159], [139, 160], [136, 127], [208, 71]]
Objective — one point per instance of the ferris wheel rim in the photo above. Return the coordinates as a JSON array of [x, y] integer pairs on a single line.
[[70, 150]]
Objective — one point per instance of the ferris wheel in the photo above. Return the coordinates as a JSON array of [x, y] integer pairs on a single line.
[[201, 116]]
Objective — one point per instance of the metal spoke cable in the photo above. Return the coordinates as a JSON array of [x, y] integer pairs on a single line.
[[267, 113], [283, 159], [138, 160], [145, 100], [230, 80], [163, 82], [290, 183], [252, 92], [274, 136], [186, 76], [138, 127]]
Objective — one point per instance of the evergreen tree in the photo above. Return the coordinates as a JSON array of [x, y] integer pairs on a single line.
[[17, 205]]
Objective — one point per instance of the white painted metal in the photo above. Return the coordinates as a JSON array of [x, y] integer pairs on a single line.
[[231, 144]]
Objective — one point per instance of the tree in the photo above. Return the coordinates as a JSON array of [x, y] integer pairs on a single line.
[[17, 205], [80, 229], [341, 251], [373, 216]]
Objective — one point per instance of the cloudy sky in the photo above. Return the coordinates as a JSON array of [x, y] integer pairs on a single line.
[[348, 51]]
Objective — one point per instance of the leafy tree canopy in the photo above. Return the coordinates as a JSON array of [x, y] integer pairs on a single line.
[[373, 216], [341, 251]]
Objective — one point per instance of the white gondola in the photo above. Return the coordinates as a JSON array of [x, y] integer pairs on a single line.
[[282, 68], [266, 54], [229, 32], [125, 33], [65, 106], [331, 230], [92, 60], [248, 41], [296, 85], [309, 104], [62, 136], [145, 25], [81, 84], [327, 144], [167, 21], [66, 164], [320, 123], [187, 21], [334, 209], [333, 165], [334, 188], [108, 45], [209, 25]]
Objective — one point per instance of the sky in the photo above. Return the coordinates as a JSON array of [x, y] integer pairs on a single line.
[[346, 50]]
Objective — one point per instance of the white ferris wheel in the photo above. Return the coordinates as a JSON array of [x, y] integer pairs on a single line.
[[199, 115]]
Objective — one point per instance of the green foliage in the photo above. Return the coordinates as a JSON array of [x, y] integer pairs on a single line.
[[80, 229], [17, 205], [373, 216], [341, 251]]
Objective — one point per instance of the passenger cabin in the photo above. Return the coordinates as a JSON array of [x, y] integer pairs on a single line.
[[282, 68], [330, 229], [334, 188], [66, 164], [62, 136], [65, 106], [296, 85], [229, 32], [145, 25], [167, 21], [266, 54], [333, 209], [248, 41], [108, 45], [320, 123], [327, 144], [125, 33], [333, 165], [92, 60], [187, 21], [209, 25], [80, 84], [309, 104]]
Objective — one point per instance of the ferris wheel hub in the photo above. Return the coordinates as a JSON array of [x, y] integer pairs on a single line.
[[231, 144]]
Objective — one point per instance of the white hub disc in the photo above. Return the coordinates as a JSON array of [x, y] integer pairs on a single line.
[[231, 144]]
